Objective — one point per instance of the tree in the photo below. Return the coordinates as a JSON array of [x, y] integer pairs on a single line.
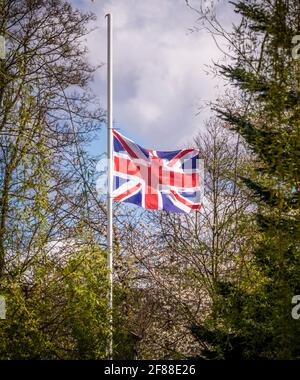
[[253, 319], [52, 266], [60, 310], [175, 260]]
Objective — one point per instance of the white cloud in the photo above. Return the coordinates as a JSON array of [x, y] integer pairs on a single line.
[[159, 69]]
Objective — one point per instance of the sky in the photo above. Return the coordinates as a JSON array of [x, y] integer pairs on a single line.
[[161, 74]]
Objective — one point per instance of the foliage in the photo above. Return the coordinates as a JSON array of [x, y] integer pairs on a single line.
[[52, 225], [61, 313], [252, 319]]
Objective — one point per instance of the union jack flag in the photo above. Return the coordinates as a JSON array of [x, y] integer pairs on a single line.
[[155, 180]]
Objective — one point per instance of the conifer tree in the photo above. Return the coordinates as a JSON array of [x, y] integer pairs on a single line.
[[252, 319]]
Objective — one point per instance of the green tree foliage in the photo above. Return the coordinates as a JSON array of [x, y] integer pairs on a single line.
[[251, 317], [62, 312], [52, 225]]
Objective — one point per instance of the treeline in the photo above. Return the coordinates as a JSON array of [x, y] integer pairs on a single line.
[[215, 284]]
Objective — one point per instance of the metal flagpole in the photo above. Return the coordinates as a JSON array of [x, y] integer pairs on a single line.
[[110, 176]]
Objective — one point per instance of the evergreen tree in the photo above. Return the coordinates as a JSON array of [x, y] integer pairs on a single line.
[[251, 319]]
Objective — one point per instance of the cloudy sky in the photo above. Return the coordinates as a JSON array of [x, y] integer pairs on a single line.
[[160, 68]]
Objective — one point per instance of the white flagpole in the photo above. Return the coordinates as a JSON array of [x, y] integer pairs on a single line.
[[110, 176]]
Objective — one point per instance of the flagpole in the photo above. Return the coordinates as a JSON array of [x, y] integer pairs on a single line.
[[110, 177]]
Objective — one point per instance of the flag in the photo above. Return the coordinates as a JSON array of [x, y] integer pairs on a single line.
[[155, 180]]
